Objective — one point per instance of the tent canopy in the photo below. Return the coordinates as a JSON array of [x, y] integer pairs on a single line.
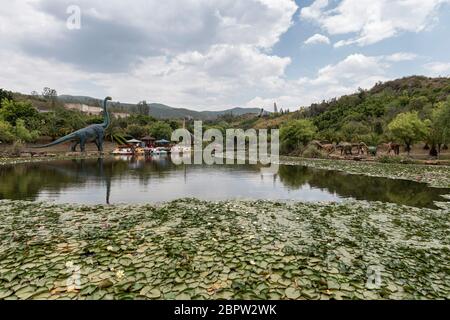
[[134, 141], [148, 138], [162, 141]]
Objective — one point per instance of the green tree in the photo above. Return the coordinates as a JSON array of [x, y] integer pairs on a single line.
[[439, 127], [6, 132], [354, 131], [137, 131], [12, 110], [5, 95], [51, 95], [143, 108], [161, 130], [22, 133], [295, 133], [408, 128], [61, 122]]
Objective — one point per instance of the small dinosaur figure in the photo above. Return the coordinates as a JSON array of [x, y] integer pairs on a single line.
[[93, 133], [328, 147]]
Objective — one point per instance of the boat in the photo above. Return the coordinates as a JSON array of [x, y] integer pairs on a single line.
[[159, 151], [123, 150], [181, 149], [128, 150]]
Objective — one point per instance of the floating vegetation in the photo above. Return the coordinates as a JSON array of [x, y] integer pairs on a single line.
[[191, 249]]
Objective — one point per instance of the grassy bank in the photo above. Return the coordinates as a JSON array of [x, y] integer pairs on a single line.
[[190, 249], [60, 156]]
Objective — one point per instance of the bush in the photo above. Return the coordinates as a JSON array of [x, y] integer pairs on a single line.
[[6, 132], [312, 152], [11, 111], [22, 133], [394, 159], [137, 131], [16, 148], [161, 130], [296, 133]]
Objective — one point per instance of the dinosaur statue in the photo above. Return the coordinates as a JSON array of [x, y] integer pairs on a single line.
[[391, 146], [93, 133], [361, 146], [372, 150], [345, 147], [328, 147]]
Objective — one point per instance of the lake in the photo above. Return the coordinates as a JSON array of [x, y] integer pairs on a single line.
[[150, 180]]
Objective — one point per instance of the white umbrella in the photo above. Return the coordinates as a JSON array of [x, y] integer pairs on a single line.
[[134, 141]]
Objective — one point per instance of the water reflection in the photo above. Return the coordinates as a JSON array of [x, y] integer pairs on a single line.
[[140, 180]]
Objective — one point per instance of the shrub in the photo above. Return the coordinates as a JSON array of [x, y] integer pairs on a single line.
[[394, 159], [22, 133], [296, 133], [311, 151], [6, 134], [16, 148]]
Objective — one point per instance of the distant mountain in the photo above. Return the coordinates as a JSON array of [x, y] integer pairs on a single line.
[[161, 111]]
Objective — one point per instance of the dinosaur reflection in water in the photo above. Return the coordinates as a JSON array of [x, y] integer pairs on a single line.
[[158, 179]]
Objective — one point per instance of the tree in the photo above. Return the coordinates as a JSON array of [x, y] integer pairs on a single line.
[[50, 94], [5, 95], [23, 134], [143, 108], [6, 134], [409, 128], [439, 127], [137, 131], [295, 133], [12, 110], [354, 131], [161, 130], [61, 121]]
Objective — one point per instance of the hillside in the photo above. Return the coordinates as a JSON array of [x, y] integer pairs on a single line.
[[161, 111], [366, 111], [381, 103]]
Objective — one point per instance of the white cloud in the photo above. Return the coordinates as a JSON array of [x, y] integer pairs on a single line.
[[224, 76], [372, 20], [344, 77], [194, 53], [316, 39], [437, 68], [401, 56]]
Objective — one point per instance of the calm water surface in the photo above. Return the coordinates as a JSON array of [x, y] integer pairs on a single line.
[[147, 180]]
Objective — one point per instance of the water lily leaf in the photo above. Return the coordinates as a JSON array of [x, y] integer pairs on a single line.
[[88, 290], [183, 296], [292, 293], [25, 293], [105, 284], [154, 294], [5, 293]]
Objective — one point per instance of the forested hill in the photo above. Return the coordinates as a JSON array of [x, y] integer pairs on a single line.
[[376, 107], [161, 111]]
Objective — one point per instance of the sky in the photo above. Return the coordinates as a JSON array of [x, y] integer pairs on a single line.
[[214, 55]]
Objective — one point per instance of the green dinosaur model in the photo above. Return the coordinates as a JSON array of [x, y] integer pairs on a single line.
[[93, 133]]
